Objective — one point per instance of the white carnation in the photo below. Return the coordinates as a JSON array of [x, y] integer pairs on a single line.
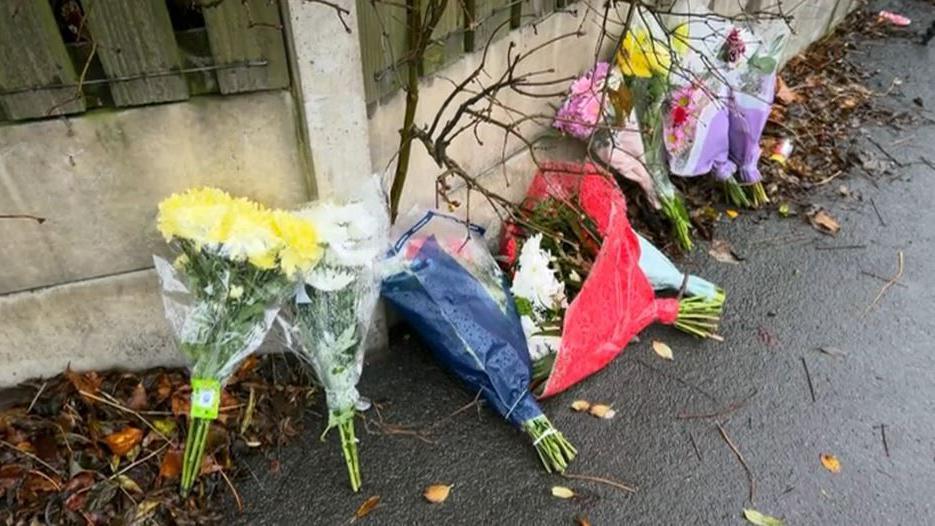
[[329, 279]]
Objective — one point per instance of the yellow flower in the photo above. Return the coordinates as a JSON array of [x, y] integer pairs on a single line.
[[643, 56], [194, 215], [180, 262], [300, 250], [247, 233]]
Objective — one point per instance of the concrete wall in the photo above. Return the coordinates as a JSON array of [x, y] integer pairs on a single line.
[[508, 167], [78, 289], [73, 289]]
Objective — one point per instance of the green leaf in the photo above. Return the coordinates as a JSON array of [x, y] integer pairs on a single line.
[[523, 306], [764, 64], [755, 517]]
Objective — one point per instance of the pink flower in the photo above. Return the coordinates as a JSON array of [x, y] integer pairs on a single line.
[[582, 110]]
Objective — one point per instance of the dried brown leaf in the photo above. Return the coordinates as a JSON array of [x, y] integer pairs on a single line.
[[580, 405], [830, 462], [171, 464], [368, 506], [784, 94], [437, 493], [602, 411], [121, 442], [723, 251], [824, 222], [663, 350], [137, 400], [562, 492]]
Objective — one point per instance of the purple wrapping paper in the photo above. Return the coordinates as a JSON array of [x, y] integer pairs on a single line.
[[748, 115]]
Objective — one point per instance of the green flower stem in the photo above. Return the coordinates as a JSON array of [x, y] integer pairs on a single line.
[[736, 194], [674, 209], [759, 195], [554, 450], [349, 446], [700, 316], [194, 452]]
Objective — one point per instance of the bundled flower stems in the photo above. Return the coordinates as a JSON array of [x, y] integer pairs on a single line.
[[645, 57], [443, 280], [334, 307], [582, 284], [237, 263]]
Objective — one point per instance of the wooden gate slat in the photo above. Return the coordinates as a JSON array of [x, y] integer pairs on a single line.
[[247, 31], [134, 38], [382, 29], [33, 55]]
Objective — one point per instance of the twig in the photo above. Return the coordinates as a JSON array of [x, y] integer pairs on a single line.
[[138, 462], [880, 147], [808, 376], [58, 487], [233, 490], [609, 482], [340, 11], [457, 412], [743, 461], [886, 286], [691, 438], [927, 162], [726, 411], [125, 410], [840, 247], [886, 447], [35, 398], [877, 211], [37, 219], [31, 456], [679, 380], [881, 278]]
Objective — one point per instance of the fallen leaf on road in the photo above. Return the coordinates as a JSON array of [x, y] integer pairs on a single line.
[[602, 411], [129, 484], [784, 210], [731, 213], [723, 252], [580, 405], [121, 442], [755, 517], [831, 462], [784, 93], [436, 493], [583, 521], [368, 506], [824, 222], [663, 350], [562, 492]]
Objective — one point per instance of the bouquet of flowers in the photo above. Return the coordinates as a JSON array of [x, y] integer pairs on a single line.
[[703, 108], [753, 84], [444, 281], [333, 309], [237, 262], [575, 225], [645, 57]]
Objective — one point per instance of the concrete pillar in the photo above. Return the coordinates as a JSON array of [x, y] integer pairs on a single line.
[[328, 84]]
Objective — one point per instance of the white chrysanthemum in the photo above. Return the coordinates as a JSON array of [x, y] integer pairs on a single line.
[[347, 231], [329, 279], [534, 280]]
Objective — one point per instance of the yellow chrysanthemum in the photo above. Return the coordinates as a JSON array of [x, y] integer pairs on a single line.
[[642, 56], [247, 233], [300, 250], [194, 215]]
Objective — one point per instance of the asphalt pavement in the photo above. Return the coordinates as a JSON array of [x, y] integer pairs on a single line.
[[795, 292]]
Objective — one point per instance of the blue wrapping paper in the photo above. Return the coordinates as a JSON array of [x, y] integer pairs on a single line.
[[474, 336]]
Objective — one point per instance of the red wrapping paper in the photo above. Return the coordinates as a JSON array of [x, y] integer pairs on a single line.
[[616, 301]]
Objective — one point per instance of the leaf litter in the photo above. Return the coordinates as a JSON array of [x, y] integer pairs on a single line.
[[105, 448]]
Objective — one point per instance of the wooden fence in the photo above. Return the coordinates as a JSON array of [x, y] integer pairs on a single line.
[[466, 26], [64, 56]]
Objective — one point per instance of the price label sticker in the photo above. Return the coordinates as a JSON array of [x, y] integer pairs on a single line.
[[206, 398]]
